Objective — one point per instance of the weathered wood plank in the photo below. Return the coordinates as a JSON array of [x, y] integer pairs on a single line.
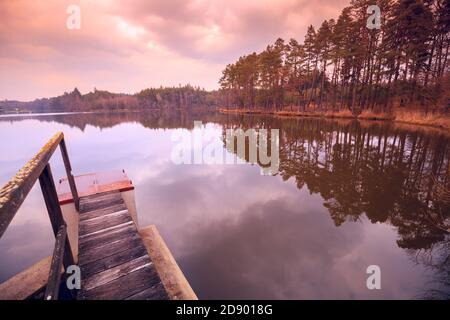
[[175, 283], [100, 202], [155, 292], [98, 240], [92, 206], [89, 226], [125, 286], [116, 272], [108, 250], [100, 212], [112, 261], [98, 196], [106, 230], [14, 192], [105, 217]]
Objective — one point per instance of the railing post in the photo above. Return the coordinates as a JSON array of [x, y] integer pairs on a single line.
[[54, 277], [71, 180], [54, 210]]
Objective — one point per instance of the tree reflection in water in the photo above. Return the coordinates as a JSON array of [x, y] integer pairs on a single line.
[[393, 174], [389, 174]]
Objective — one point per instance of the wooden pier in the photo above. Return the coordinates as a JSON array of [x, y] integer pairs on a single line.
[[112, 255], [97, 231]]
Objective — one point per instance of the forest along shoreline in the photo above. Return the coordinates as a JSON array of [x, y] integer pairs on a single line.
[[344, 69], [407, 117]]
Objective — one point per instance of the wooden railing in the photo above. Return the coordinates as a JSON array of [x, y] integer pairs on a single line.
[[13, 194]]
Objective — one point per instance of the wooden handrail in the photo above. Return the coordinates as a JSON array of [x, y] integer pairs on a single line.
[[16, 190]]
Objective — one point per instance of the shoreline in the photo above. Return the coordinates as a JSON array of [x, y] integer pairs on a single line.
[[405, 117]]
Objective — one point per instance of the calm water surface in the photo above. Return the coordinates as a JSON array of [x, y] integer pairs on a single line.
[[346, 195]]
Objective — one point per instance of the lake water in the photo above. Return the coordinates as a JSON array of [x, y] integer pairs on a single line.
[[346, 195]]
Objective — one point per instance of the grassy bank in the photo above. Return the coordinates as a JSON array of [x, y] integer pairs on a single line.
[[401, 116]]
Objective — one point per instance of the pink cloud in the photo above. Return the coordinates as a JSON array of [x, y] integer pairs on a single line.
[[128, 45]]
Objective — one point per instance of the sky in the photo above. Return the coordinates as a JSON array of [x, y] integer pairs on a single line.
[[127, 45]]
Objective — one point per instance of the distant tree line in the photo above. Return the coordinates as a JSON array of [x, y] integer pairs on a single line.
[[346, 65], [172, 98], [186, 97]]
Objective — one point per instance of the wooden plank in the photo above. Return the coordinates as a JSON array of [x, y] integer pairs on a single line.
[[54, 277], [116, 272], [112, 261], [125, 286], [100, 212], [175, 283], [106, 230], [91, 245], [100, 201], [114, 235], [98, 197], [89, 226], [14, 192], [108, 250], [104, 217], [96, 205], [95, 196], [155, 292]]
